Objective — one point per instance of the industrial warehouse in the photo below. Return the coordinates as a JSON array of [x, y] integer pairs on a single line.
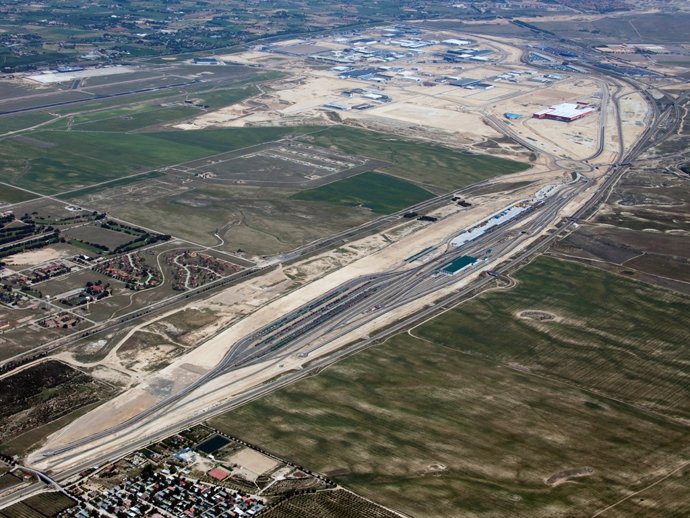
[[303, 207], [457, 265], [490, 223], [566, 112]]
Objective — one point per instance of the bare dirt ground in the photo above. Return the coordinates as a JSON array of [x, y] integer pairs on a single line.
[[450, 114], [259, 301], [251, 464], [568, 474], [578, 139], [230, 305], [35, 257], [251, 305], [634, 116], [110, 375], [191, 365], [538, 315]]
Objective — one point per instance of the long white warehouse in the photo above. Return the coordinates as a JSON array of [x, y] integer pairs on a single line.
[[497, 219]]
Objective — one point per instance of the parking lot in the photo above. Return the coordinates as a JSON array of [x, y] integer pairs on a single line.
[[278, 164]]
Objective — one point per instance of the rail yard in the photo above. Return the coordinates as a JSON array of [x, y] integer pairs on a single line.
[[247, 242]]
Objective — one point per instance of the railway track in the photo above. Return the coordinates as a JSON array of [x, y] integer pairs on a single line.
[[415, 281], [233, 358], [312, 321]]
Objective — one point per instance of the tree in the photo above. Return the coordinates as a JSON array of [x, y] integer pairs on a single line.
[[147, 471]]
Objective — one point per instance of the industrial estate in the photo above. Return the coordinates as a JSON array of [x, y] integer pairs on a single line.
[[288, 259]]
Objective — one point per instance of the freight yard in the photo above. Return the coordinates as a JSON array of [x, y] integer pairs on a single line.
[[281, 208], [365, 296]]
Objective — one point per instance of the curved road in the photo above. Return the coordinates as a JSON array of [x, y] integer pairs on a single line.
[[368, 297]]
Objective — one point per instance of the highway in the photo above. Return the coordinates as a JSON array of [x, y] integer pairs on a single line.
[[349, 306], [385, 292], [361, 300], [312, 248], [333, 315], [419, 280]]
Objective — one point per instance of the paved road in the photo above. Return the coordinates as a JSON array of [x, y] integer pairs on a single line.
[[385, 292], [349, 306], [285, 259], [363, 299], [502, 240]]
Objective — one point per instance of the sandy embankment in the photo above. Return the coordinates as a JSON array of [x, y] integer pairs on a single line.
[[192, 365]]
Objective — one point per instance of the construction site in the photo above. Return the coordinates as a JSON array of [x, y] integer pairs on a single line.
[[374, 180], [423, 86], [408, 82]]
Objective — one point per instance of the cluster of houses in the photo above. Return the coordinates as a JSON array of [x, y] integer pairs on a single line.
[[92, 291], [48, 271], [193, 269], [62, 320], [163, 494], [132, 270]]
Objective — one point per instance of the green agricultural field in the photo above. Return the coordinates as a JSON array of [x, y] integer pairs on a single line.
[[424, 163], [138, 119], [615, 336], [10, 194], [329, 504], [131, 152], [653, 502], [259, 221], [99, 235], [88, 191], [22, 121], [482, 412], [46, 505], [115, 102], [8, 479], [246, 217], [63, 161], [27, 406], [227, 96], [381, 193], [220, 140], [56, 161], [59, 159]]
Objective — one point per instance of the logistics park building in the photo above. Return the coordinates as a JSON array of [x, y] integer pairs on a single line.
[[566, 112]]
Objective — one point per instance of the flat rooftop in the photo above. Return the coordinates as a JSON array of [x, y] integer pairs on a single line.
[[459, 263], [567, 110], [61, 77]]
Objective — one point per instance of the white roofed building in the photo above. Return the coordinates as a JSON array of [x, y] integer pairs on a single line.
[[566, 112]]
